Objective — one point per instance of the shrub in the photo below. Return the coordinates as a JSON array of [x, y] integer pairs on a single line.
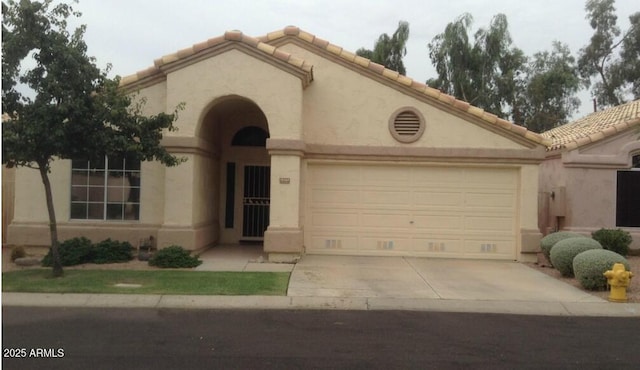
[[174, 257], [564, 251], [72, 252], [111, 251], [590, 266], [550, 240], [615, 240], [17, 252]]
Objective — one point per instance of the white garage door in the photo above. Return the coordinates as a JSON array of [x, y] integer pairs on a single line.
[[454, 212]]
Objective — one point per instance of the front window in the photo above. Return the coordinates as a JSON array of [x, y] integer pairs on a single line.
[[108, 189]]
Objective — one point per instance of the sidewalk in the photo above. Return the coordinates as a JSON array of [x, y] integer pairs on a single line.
[[370, 284], [321, 303]]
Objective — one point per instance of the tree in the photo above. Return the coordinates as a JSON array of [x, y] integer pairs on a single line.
[[74, 110], [552, 82], [482, 72], [489, 72], [598, 60], [389, 51]]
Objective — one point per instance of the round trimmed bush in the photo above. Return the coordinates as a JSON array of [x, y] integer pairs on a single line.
[[550, 240], [590, 266], [564, 251], [615, 240], [174, 257]]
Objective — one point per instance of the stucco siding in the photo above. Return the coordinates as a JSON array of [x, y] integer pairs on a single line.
[[155, 99], [343, 107], [276, 92], [152, 192]]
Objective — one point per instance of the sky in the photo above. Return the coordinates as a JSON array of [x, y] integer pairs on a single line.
[[131, 34]]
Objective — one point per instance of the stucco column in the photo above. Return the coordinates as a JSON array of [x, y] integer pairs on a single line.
[[178, 225], [283, 239], [530, 235]]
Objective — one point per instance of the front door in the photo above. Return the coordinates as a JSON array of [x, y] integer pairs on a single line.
[[255, 202]]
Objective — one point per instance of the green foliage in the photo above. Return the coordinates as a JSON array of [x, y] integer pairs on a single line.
[[17, 252], [590, 266], [174, 257], [76, 111], [564, 251], [550, 240], [389, 50], [80, 250], [615, 240], [72, 252], [111, 251], [552, 82], [611, 59], [483, 71], [487, 71]]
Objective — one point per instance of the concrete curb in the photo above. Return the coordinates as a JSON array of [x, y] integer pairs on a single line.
[[603, 309]]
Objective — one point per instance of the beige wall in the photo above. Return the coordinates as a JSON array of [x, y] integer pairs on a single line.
[[30, 224], [343, 107], [276, 92], [588, 175]]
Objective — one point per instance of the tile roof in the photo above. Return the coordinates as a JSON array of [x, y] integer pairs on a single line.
[[205, 47], [593, 127], [263, 44]]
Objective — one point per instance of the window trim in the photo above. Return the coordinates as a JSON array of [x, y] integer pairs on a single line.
[[406, 139], [105, 188]]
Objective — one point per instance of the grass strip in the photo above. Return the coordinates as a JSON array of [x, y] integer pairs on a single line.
[[151, 282]]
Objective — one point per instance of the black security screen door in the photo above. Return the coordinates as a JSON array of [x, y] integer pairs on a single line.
[[256, 201]]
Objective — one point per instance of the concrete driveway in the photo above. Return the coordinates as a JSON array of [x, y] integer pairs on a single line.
[[447, 279]]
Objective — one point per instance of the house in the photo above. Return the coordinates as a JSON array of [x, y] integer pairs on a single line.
[[590, 178], [296, 143]]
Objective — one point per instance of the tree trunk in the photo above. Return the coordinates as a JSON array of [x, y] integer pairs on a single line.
[[53, 226]]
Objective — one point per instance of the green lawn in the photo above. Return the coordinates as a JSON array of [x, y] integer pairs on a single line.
[[151, 282]]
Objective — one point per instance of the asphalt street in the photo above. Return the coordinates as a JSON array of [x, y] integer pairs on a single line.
[[118, 338]]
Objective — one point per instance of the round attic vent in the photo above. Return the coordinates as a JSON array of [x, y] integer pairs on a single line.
[[406, 125]]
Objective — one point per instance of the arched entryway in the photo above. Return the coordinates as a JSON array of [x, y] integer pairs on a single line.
[[237, 130]]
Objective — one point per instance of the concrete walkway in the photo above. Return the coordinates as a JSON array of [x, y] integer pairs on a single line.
[[371, 283]]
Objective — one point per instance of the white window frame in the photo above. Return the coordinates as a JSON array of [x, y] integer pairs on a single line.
[[106, 187]]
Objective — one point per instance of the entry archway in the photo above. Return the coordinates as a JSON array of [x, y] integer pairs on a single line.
[[237, 129]]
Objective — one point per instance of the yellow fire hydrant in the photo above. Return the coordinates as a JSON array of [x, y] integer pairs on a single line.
[[618, 279]]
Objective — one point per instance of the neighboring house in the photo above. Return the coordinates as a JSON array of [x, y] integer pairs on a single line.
[[591, 177], [308, 148]]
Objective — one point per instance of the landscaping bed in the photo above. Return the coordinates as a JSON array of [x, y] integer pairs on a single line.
[[633, 293]]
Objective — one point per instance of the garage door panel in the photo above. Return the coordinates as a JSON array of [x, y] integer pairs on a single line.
[[414, 210], [385, 176], [330, 198], [437, 199], [333, 243], [334, 175], [438, 176], [488, 223], [334, 219], [393, 244], [438, 222], [494, 178], [386, 197], [492, 248], [392, 220], [490, 200]]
